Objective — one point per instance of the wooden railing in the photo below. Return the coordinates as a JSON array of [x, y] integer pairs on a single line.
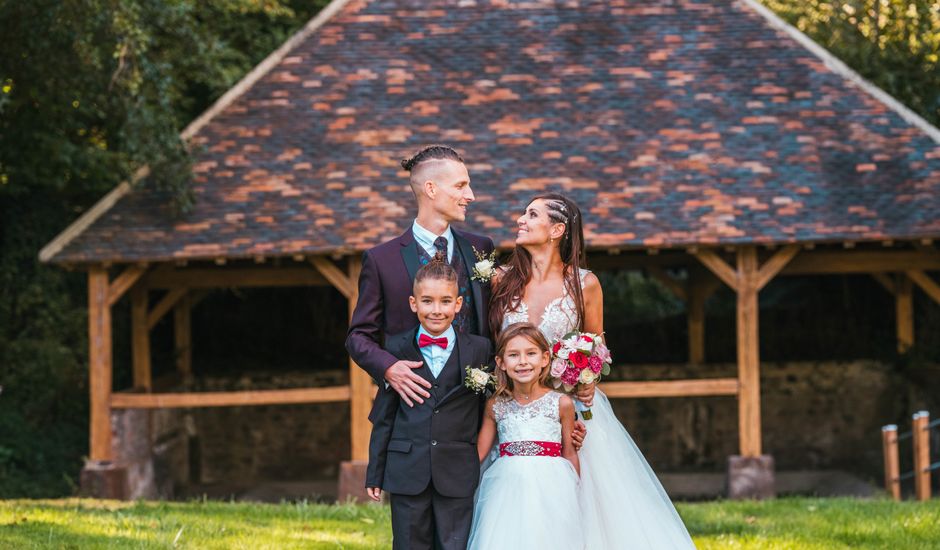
[[920, 436]]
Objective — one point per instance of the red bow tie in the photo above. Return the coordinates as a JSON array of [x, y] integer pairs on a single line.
[[425, 340]]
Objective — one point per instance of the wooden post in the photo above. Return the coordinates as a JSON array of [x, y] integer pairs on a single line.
[[182, 336], [360, 384], [889, 439], [921, 455], [140, 339], [749, 421], [696, 319], [99, 362], [905, 312]]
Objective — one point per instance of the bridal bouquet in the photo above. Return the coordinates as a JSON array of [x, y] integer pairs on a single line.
[[579, 358]]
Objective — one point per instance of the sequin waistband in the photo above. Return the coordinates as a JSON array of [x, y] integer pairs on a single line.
[[530, 448]]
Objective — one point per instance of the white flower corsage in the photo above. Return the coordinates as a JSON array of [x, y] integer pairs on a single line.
[[478, 380], [485, 267]]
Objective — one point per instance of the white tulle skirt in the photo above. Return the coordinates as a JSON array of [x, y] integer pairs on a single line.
[[623, 505], [523, 503]]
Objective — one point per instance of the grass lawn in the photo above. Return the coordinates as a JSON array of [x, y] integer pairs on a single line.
[[784, 523]]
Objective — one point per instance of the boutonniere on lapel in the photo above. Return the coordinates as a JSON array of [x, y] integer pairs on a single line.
[[485, 266], [478, 380]]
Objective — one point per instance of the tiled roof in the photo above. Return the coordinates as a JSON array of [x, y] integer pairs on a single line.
[[670, 123]]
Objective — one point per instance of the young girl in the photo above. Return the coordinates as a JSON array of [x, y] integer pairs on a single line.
[[528, 497]]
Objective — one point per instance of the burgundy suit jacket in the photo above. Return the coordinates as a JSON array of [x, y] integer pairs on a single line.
[[386, 282]]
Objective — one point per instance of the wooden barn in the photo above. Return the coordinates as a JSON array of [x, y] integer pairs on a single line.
[[706, 136]]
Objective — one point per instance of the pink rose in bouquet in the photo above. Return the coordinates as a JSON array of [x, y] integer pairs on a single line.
[[579, 357]]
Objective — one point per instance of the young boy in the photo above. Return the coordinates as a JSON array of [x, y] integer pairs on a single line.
[[425, 456]]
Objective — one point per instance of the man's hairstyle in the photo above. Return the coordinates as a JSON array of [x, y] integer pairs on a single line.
[[431, 152], [436, 269]]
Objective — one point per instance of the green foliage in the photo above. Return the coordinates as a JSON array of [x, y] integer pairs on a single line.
[[91, 90], [893, 43]]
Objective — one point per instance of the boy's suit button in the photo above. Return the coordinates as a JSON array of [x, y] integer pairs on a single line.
[[436, 386], [433, 442], [437, 411]]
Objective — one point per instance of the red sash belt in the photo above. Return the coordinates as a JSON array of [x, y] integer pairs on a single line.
[[530, 448]]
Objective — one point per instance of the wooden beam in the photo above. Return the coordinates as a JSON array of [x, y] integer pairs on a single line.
[[861, 261], [335, 276], [925, 283], [140, 339], [777, 262], [182, 336], [229, 399], [904, 308], [163, 306], [719, 267], [667, 281], [100, 366], [362, 389], [168, 277], [749, 417], [695, 317], [671, 388], [123, 282], [885, 281]]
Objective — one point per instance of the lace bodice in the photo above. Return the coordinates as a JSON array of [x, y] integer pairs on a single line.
[[535, 421], [559, 318]]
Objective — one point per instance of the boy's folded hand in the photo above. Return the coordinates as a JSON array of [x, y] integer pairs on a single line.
[[375, 493], [403, 380]]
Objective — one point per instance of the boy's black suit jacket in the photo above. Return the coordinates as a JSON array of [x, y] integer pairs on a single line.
[[434, 441]]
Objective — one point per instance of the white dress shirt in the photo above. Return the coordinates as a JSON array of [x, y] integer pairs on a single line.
[[434, 355], [426, 239]]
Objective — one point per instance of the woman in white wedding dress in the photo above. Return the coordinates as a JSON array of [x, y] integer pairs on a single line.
[[623, 505]]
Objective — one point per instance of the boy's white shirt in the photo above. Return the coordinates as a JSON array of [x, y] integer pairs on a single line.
[[435, 356]]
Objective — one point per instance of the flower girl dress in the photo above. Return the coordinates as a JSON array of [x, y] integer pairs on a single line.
[[623, 505], [524, 499]]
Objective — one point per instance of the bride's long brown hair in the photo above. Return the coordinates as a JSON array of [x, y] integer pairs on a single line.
[[512, 282]]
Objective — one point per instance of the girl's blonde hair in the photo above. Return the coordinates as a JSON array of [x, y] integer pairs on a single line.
[[530, 333]]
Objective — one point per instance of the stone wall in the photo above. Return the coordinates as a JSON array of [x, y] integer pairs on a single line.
[[814, 416], [823, 415]]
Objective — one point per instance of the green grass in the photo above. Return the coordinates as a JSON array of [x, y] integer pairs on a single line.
[[780, 524]]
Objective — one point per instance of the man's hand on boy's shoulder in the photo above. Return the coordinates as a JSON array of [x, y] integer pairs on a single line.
[[402, 378]]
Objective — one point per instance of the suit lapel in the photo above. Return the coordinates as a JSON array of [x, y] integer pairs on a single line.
[[409, 253], [411, 352], [469, 260], [463, 353]]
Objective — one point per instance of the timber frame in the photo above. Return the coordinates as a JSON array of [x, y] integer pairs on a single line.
[[745, 269], [182, 287]]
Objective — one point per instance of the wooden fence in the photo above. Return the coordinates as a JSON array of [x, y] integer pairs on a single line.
[[920, 436]]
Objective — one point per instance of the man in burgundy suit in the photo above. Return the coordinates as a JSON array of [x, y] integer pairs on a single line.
[[441, 184]]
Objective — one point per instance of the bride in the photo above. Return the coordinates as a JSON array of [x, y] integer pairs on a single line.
[[623, 505]]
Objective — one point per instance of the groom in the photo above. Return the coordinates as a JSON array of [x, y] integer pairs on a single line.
[[441, 185]]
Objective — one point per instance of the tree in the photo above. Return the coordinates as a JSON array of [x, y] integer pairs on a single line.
[[90, 90], [893, 43]]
